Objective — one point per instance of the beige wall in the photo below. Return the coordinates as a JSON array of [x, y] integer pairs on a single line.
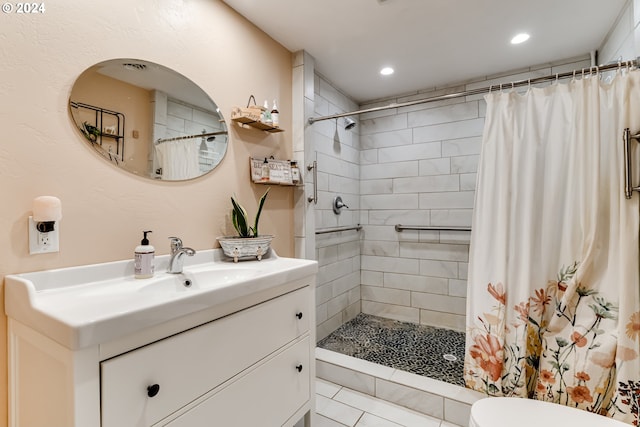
[[105, 209], [132, 101]]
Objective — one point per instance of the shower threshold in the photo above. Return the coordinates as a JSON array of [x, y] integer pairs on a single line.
[[400, 346]]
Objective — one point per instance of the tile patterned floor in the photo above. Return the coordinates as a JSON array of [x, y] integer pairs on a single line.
[[337, 406], [419, 349]]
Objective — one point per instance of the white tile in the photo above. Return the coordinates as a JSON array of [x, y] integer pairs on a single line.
[[326, 388], [403, 153], [337, 304], [437, 268], [456, 237], [345, 283], [328, 326], [354, 364], [456, 412], [390, 264], [463, 270], [385, 410], [368, 157], [467, 182], [449, 391], [345, 377], [461, 147], [457, 322], [454, 217], [435, 167], [390, 201], [426, 184], [368, 420], [456, 130], [446, 114], [321, 421], [396, 312], [386, 139], [383, 124], [401, 216], [418, 400], [386, 295], [457, 288], [380, 248], [376, 186], [433, 302], [389, 170], [416, 283], [447, 200], [434, 251], [371, 278], [337, 411], [465, 164]]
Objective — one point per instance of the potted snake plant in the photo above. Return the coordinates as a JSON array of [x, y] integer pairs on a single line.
[[248, 244]]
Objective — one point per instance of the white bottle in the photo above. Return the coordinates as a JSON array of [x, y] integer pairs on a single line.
[[144, 255], [275, 115]]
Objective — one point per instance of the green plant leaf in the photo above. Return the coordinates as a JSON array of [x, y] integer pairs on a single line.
[[239, 218], [260, 205]]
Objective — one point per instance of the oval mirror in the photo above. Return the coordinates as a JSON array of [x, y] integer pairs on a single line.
[[148, 120]]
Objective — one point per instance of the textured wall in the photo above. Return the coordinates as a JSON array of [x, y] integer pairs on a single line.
[[105, 209]]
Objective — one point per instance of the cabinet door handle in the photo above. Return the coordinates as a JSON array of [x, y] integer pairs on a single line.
[[299, 368], [299, 315], [152, 390]]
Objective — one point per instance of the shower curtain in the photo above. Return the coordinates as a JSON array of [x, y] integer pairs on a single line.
[[178, 159], [553, 308]]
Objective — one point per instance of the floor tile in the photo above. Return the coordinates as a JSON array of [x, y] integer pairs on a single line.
[[326, 389], [368, 420], [337, 411], [385, 410]]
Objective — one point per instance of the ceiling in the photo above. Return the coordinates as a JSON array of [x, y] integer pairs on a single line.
[[429, 42]]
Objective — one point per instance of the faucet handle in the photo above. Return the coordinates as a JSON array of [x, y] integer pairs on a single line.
[[176, 243]]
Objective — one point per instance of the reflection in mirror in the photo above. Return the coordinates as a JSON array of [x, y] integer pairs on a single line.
[[148, 120]]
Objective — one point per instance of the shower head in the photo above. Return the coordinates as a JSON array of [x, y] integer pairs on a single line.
[[349, 123]]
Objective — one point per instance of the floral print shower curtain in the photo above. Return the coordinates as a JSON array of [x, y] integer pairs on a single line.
[[553, 308]]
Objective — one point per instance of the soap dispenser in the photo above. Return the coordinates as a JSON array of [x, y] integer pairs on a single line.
[[144, 255]]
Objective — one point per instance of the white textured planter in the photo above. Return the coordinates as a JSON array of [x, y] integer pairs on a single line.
[[240, 248]]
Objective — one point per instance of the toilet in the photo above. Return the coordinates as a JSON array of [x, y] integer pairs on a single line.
[[514, 411]]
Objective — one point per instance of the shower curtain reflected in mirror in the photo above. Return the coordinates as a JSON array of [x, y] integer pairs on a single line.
[[178, 159], [553, 308]]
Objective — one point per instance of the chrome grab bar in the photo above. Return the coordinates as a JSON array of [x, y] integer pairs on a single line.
[[314, 198], [400, 227], [628, 186], [336, 229]]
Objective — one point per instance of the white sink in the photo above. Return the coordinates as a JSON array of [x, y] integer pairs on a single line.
[[87, 305]]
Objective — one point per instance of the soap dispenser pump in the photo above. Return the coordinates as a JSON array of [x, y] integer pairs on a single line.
[[144, 255]]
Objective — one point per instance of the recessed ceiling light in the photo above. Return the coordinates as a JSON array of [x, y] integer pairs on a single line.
[[386, 71], [520, 38]]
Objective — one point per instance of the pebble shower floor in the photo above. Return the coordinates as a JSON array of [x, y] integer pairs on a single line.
[[424, 350]]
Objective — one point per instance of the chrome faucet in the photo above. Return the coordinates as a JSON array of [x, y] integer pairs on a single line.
[[177, 252]]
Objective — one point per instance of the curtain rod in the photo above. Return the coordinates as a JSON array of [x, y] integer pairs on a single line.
[[160, 141], [634, 63]]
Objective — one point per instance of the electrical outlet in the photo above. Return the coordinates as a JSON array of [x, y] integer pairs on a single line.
[[42, 243]]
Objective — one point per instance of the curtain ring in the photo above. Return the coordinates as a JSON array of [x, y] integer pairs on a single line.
[[583, 73], [557, 78], [574, 75], [512, 86], [529, 84], [500, 87], [490, 86]]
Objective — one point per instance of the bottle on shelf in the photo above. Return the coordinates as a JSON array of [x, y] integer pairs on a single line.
[[275, 115], [266, 114], [265, 170], [295, 172]]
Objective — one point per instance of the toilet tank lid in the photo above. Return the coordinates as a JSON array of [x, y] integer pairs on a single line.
[[511, 411]]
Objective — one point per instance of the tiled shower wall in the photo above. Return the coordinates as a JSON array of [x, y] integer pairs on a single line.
[[418, 167], [338, 155]]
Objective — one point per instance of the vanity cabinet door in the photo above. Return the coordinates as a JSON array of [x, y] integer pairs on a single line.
[[142, 387], [266, 396]]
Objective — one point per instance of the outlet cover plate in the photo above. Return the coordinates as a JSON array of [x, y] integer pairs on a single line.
[[43, 243]]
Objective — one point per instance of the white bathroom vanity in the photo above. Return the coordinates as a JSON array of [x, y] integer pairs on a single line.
[[220, 344]]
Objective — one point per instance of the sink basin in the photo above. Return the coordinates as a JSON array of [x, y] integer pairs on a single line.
[[83, 306], [198, 280]]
